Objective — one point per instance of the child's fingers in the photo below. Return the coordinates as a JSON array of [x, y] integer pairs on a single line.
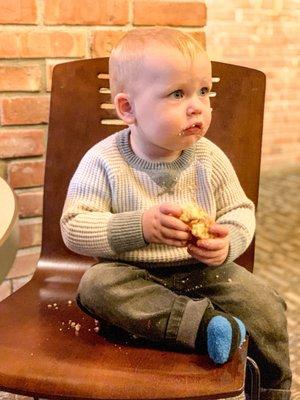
[[171, 222], [174, 234], [219, 230], [212, 244], [215, 260], [170, 209], [205, 254], [176, 243]]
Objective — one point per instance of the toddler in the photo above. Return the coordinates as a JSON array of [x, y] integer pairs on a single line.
[[123, 207]]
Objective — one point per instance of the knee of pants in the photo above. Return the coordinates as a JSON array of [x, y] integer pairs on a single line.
[[259, 302], [100, 284]]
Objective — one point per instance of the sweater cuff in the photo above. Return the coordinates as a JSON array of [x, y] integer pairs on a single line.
[[237, 243], [125, 231]]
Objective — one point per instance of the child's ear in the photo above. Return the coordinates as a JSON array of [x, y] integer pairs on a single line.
[[124, 108]]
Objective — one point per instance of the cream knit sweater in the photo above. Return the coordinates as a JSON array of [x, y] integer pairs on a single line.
[[112, 187]]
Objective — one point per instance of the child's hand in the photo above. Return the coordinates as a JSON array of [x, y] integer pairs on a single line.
[[212, 252], [161, 224]]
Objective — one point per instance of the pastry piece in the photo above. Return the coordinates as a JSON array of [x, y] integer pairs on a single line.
[[198, 220]]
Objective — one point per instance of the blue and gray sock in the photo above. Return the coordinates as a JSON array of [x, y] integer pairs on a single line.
[[219, 335]]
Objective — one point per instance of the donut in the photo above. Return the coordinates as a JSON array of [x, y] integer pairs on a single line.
[[198, 220]]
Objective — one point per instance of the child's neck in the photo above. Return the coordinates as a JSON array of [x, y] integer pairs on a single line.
[[164, 159], [156, 158], [154, 155]]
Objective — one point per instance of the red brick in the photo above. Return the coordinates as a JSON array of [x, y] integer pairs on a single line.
[[279, 161], [49, 71], [5, 290], [36, 44], [25, 262], [104, 41], [221, 4], [20, 78], [25, 110], [273, 119], [18, 12], [171, 13], [292, 131], [26, 173], [288, 147], [252, 50], [86, 12], [216, 50], [30, 203], [21, 143], [218, 14], [30, 232], [3, 169]]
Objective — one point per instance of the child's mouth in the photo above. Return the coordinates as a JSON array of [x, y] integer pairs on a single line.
[[192, 130]]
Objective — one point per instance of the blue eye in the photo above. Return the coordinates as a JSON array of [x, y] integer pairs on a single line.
[[177, 94], [204, 91]]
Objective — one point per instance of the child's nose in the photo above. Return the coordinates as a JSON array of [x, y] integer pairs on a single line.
[[195, 106]]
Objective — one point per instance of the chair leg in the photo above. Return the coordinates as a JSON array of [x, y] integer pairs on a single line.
[[254, 379]]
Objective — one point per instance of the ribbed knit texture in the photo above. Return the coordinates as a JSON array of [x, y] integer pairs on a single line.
[[112, 187]]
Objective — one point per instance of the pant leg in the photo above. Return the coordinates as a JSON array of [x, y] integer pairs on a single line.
[[235, 290], [126, 296]]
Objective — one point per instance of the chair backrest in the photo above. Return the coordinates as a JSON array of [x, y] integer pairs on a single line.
[[81, 114]]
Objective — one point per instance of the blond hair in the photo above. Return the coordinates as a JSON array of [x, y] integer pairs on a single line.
[[126, 59]]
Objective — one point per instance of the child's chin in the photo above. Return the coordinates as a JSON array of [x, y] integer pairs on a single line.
[[193, 138]]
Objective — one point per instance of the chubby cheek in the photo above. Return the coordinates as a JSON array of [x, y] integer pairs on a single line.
[[207, 118], [170, 122]]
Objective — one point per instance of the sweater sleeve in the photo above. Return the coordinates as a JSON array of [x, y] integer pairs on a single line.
[[234, 209], [88, 225]]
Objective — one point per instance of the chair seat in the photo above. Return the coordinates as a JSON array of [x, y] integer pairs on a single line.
[[46, 356]]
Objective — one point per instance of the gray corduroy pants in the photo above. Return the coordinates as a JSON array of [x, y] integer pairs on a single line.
[[166, 305]]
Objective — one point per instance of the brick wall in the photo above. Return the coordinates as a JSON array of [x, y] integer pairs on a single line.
[[263, 34], [37, 34]]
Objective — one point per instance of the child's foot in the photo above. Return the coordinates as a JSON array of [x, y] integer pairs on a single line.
[[219, 335]]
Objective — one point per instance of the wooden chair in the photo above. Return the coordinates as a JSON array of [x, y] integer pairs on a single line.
[[42, 354]]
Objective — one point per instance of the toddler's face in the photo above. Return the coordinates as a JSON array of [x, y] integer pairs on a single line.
[[171, 103]]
